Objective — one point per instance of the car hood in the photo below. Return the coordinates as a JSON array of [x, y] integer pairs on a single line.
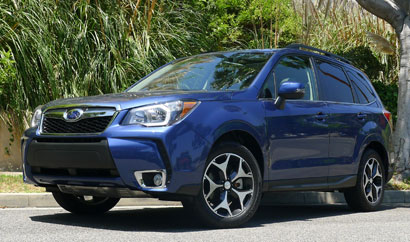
[[128, 100]]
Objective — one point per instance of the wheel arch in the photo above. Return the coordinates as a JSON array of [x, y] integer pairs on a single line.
[[381, 150], [246, 139], [377, 144]]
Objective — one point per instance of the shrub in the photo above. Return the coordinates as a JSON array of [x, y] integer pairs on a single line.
[[7, 75], [77, 48]]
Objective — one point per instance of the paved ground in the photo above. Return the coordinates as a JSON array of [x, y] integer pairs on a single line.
[[278, 223]]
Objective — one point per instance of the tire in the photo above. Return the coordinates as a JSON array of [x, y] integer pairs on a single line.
[[233, 198], [368, 193], [188, 205], [80, 205]]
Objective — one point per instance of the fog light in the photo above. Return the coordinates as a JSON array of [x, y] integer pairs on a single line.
[[152, 179], [158, 180]]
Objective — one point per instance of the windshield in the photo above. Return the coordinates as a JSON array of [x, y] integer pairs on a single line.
[[208, 72]]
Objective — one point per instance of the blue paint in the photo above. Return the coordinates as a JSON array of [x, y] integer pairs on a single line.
[[306, 139]]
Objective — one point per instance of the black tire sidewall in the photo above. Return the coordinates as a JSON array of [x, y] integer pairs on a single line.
[[206, 214], [72, 204], [355, 197], [368, 155]]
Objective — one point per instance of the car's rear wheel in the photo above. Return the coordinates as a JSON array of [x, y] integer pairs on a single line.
[[368, 193], [84, 204], [231, 187]]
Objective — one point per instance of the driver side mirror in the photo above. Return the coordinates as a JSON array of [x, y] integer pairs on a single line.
[[289, 90]]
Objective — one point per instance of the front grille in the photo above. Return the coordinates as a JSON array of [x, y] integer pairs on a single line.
[[89, 125]]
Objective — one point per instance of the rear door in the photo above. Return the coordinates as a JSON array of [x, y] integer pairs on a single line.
[[367, 112], [298, 134], [346, 119]]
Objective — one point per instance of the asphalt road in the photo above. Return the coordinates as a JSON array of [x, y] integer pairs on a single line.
[[279, 223]]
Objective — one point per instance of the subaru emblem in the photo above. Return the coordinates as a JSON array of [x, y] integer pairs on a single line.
[[73, 115]]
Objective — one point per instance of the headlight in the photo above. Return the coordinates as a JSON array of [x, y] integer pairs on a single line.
[[160, 114], [35, 120]]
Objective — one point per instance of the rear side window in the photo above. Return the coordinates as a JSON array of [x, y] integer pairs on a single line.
[[333, 83], [362, 87]]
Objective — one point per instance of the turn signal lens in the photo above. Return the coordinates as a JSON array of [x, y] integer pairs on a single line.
[[188, 106]]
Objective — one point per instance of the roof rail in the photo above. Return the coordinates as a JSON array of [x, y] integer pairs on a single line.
[[301, 46]]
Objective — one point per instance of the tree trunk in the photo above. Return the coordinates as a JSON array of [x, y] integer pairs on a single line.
[[397, 13], [402, 133]]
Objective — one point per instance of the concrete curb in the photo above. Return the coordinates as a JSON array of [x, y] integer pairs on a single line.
[[21, 200], [321, 198]]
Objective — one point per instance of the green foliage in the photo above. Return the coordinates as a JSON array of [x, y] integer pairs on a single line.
[[15, 184], [388, 94], [55, 49], [343, 27], [398, 185], [78, 48], [7, 74], [252, 24], [363, 58]]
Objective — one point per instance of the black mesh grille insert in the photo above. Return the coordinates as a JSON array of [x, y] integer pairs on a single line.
[[75, 172], [88, 125]]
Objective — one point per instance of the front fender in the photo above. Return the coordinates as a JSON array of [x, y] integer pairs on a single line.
[[237, 125], [213, 119]]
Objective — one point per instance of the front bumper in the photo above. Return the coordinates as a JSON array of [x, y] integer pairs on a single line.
[[111, 159]]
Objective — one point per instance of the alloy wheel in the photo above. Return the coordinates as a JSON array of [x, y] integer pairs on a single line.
[[228, 185], [372, 180]]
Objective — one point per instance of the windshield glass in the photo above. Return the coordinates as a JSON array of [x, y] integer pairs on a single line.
[[208, 72]]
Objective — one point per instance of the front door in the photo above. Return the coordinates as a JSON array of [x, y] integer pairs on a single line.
[[299, 133]]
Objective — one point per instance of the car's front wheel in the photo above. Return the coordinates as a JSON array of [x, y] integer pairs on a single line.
[[84, 204], [368, 193], [231, 187]]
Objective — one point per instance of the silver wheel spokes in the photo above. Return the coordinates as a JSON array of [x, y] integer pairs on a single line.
[[372, 180], [228, 185]]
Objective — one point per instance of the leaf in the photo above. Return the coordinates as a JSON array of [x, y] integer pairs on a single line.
[[380, 43]]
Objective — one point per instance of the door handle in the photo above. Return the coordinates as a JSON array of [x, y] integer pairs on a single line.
[[321, 116], [361, 116]]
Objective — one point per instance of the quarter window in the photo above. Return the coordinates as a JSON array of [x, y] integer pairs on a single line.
[[333, 83], [363, 90], [296, 69], [269, 87]]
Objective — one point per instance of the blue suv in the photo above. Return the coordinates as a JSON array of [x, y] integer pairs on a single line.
[[216, 131]]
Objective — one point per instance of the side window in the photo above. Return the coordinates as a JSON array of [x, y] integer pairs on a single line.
[[333, 83], [363, 90], [296, 69]]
